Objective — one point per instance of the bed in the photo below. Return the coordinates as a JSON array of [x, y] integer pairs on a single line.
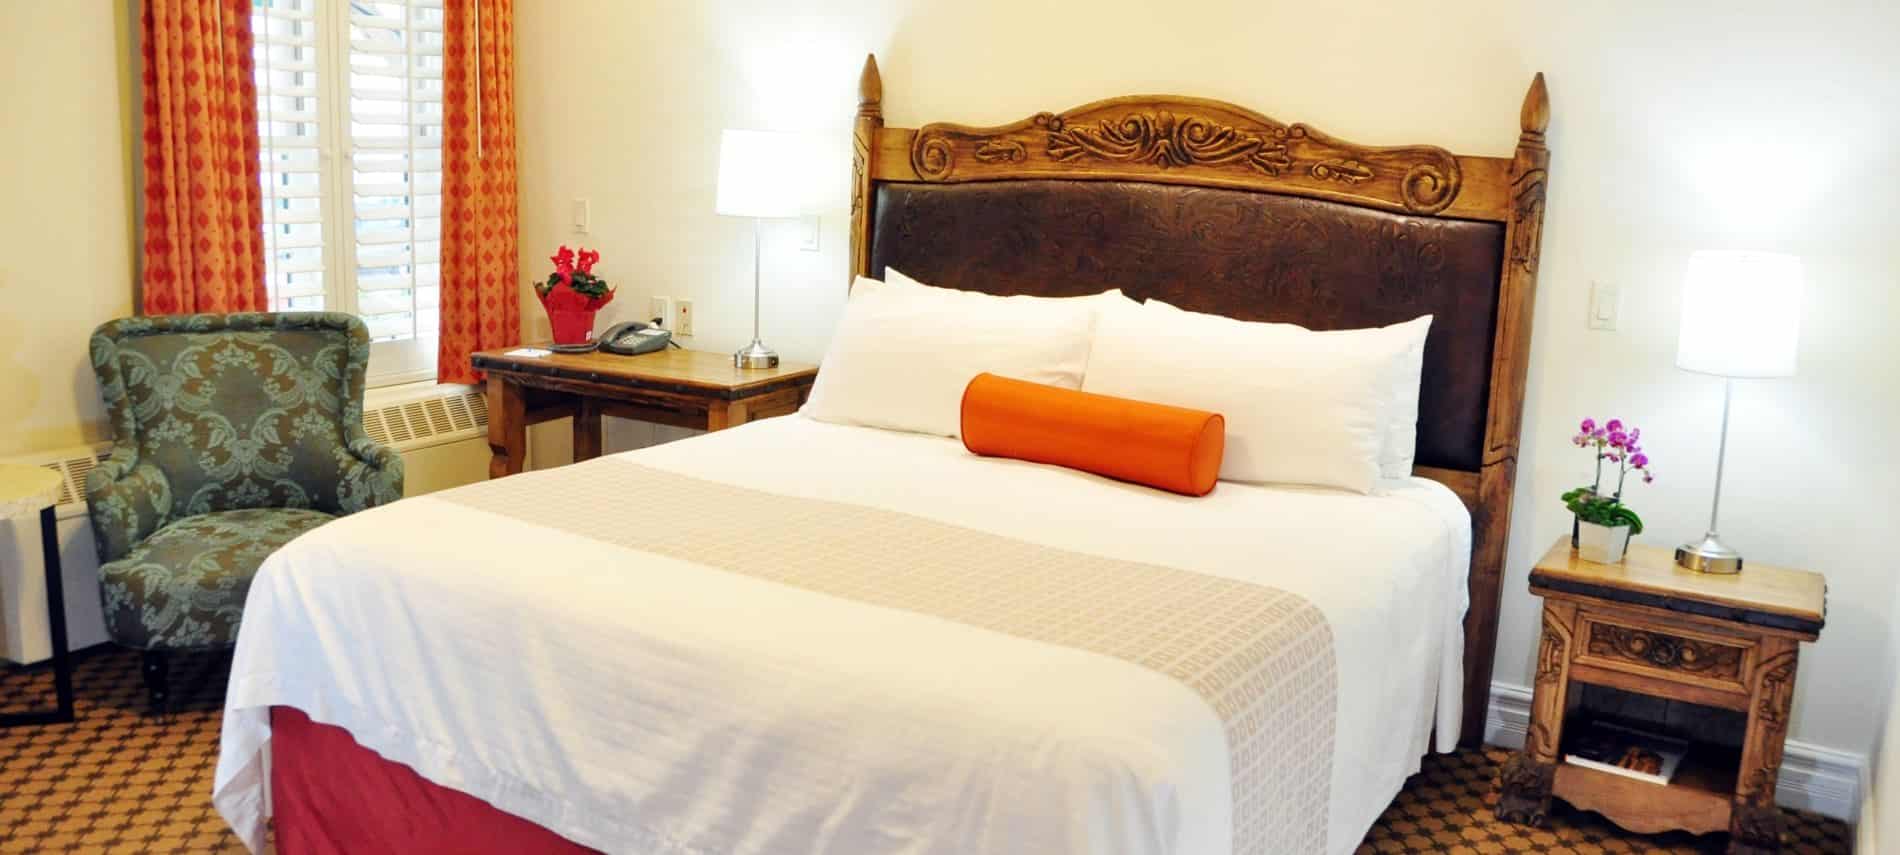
[[827, 638]]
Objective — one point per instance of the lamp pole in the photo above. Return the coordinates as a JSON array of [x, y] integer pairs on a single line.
[[1711, 555], [756, 354]]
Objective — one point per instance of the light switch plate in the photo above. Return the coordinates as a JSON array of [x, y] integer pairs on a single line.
[[1605, 300], [683, 317], [581, 216], [808, 234]]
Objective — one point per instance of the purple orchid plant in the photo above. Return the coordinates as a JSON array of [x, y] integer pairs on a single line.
[[1621, 445]]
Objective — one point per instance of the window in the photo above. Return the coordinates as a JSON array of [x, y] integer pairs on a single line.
[[349, 111]]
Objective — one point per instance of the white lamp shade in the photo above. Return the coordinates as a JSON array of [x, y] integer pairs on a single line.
[[768, 174], [1741, 314]]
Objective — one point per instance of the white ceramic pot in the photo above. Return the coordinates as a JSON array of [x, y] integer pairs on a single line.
[[1602, 543]]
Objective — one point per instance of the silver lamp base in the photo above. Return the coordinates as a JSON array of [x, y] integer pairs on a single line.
[[756, 355], [1710, 555]]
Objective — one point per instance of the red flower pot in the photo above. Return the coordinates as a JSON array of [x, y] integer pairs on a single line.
[[572, 326]]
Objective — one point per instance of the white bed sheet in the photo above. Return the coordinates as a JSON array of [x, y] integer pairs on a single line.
[[679, 710]]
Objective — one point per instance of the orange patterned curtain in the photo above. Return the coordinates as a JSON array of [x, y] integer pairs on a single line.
[[204, 232], [481, 302]]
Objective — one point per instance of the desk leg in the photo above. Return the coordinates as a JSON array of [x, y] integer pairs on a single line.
[[724, 414], [56, 623], [1754, 822], [1524, 787], [56, 608], [586, 430], [507, 427]]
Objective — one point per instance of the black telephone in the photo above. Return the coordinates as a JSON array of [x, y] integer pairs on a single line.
[[634, 337]]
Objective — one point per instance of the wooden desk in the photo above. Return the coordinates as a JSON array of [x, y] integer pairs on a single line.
[[27, 491], [1649, 627], [682, 388]]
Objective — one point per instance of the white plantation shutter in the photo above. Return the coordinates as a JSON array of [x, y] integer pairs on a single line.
[[395, 104], [350, 102], [290, 103]]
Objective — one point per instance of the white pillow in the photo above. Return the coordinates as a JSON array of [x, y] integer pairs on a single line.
[[1301, 408], [1399, 443], [894, 278], [901, 356]]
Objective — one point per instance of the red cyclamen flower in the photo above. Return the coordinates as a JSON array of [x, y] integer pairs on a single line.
[[587, 260], [563, 260]]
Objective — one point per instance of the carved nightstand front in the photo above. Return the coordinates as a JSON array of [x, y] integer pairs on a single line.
[[1648, 627]]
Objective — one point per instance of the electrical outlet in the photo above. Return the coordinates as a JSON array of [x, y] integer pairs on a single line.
[[683, 317], [662, 308]]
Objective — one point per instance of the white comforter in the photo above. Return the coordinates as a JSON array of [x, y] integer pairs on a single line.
[[666, 708]]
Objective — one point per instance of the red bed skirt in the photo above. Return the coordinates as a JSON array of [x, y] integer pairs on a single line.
[[331, 795]]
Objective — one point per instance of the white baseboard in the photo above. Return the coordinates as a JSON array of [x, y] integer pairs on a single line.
[[1509, 718], [1813, 778]]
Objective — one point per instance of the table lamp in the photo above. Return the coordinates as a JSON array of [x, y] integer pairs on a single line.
[[1741, 318], [763, 175]]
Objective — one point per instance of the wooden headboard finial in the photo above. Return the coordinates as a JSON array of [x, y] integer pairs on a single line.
[[870, 88], [1533, 119], [864, 131]]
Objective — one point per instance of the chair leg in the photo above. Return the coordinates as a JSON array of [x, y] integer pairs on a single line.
[[157, 668]]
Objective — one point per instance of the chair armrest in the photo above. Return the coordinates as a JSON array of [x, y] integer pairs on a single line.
[[127, 500], [371, 478]]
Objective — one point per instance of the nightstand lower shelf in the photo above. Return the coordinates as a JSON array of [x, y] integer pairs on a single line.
[[1699, 799]]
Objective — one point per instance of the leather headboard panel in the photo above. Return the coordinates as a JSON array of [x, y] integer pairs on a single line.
[[1248, 255]]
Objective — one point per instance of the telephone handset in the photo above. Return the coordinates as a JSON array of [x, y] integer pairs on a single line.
[[635, 337]]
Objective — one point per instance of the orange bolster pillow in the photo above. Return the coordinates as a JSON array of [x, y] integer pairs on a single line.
[[1172, 448]]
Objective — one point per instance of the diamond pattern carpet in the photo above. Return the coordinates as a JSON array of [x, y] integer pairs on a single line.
[[118, 782], [114, 781]]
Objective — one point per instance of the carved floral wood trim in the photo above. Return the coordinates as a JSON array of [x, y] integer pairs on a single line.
[[1525, 783], [1190, 141], [1773, 699], [1548, 688], [1529, 210], [1524, 787], [1755, 822], [1665, 651], [1754, 829]]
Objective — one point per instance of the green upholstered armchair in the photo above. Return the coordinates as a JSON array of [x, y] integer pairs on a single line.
[[234, 434]]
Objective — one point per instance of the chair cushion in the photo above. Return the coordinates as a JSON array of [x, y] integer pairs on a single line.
[[184, 587]]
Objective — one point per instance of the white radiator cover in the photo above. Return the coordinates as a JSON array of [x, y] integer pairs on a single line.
[[440, 431]]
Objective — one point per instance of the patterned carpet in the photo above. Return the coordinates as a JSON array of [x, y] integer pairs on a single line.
[[118, 782]]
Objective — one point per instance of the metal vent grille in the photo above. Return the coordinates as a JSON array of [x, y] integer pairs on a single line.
[[72, 470], [428, 421]]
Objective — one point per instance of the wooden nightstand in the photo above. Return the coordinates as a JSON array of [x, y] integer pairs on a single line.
[[682, 388], [1649, 628]]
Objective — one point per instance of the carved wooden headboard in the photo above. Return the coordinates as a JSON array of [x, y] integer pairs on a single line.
[[1220, 209]]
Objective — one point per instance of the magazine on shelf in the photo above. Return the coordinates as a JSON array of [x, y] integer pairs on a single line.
[[1626, 751]]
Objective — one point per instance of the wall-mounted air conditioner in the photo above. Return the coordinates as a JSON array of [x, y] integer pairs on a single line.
[[23, 628]]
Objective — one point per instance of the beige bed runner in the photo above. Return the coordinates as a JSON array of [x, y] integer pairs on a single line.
[[1262, 658]]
